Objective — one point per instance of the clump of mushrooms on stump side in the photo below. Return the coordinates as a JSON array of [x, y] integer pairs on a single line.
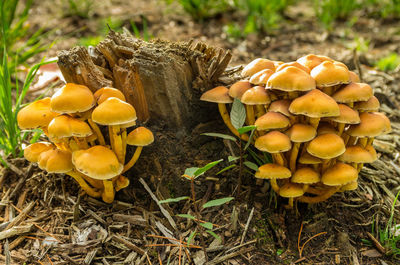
[[88, 137], [315, 118]]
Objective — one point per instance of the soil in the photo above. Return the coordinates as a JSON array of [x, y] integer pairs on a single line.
[[69, 229]]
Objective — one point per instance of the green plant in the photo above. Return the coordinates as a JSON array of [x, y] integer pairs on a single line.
[[329, 11], [192, 174], [79, 8], [145, 35], [389, 237], [202, 9], [389, 62], [19, 42], [262, 16], [361, 44]]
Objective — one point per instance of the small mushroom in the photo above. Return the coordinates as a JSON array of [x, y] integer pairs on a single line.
[[139, 137], [256, 66]]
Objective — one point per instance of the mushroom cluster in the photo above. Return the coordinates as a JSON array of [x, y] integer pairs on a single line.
[[74, 120], [316, 119]]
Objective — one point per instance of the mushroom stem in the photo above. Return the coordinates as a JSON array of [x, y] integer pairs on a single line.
[[370, 141], [73, 145], [278, 159], [225, 116], [293, 156], [89, 190], [110, 135], [250, 114], [133, 160], [274, 185], [313, 122], [120, 182], [360, 166], [320, 198], [363, 141], [290, 203], [123, 138], [97, 131], [293, 94], [98, 184], [108, 193], [340, 128], [260, 110], [352, 141], [118, 149], [345, 138], [325, 165]]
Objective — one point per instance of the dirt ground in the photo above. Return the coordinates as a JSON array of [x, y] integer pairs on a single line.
[[255, 229]]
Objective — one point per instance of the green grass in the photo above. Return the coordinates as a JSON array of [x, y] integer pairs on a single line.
[[328, 12], [200, 10], [78, 8], [15, 34], [389, 62]]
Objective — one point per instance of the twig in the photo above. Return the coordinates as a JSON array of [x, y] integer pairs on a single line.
[[357, 64], [376, 243], [173, 245], [163, 211], [180, 251], [15, 231], [308, 240], [49, 259], [247, 225], [17, 220], [229, 256], [128, 244], [7, 253]]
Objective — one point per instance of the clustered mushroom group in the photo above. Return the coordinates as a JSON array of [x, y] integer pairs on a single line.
[[316, 119], [74, 119]]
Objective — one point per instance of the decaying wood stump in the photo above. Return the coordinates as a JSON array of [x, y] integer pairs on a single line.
[[160, 79], [164, 82]]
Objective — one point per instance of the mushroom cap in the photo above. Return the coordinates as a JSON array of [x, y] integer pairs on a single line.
[[371, 104], [55, 161], [238, 88], [108, 92], [36, 114], [294, 64], [261, 78], [97, 162], [307, 159], [349, 186], [281, 106], [311, 60], [354, 78], [388, 126], [72, 98], [353, 92], [67, 126], [371, 125], [273, 171], [306, 175], [114, 111], [32, 151], [219, 94], [278, 63], [272, 120], [329, 74], [273, 142], [337, 63], [356, 154], [140, 136], [291, 190], [339, 174], [372, 152], [256, 66], [300, 133], [291, 79], [315, 104], [326, 146], [325, 127], [255, 96], [347, 115]]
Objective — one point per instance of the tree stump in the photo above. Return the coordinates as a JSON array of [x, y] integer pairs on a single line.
[[164, 82]]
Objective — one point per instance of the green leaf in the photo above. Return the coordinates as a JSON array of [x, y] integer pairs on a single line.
[[178, 199], [214, 235], [217, 202], [190, 171], [250, 139], [251, 165], [220, 135], [202, 170], [207, 225], [246, 129], [191, 236], [233, 158], [238, 114], [225, 169], [188, 216]]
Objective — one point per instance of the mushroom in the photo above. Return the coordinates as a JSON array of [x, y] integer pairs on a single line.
[[107, 92], [354, 78], [292, 80], [334, 177], [273, 172], [237, 89], [33, 151], [256, 96], [115, 114], [329, 76], [315, 105], [306, 176], [272, 120], [349, 186], [261, 78], [282, 106], [139, 137], [307, 159], [99, 163], [371, 104], [326, 146], [294, 64], [352, 93], [256, 66], [291, 191], [299, 133], [220, 95], [357, 154], [311, 60], [347, 116]]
